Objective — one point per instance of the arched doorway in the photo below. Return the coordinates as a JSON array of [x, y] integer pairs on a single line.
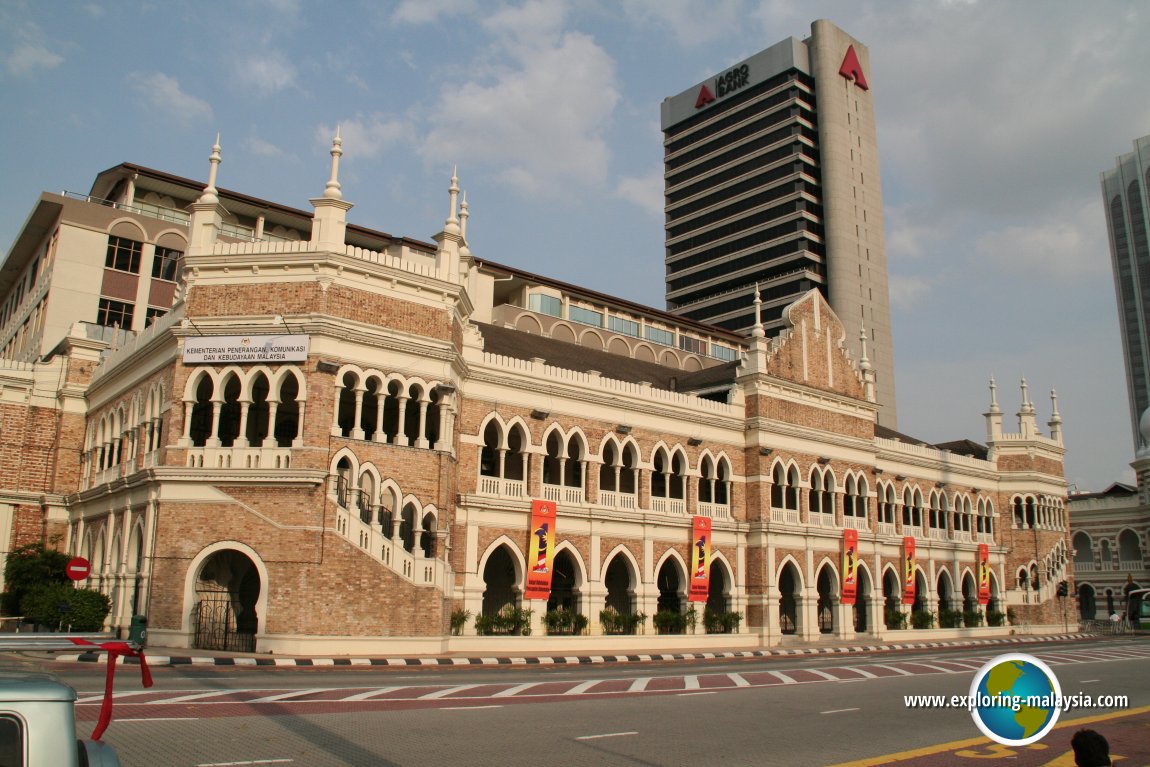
[[825, 585], [670, 583], [563, 583], [789, 585], [227, 589], [499, 579], [862, 601], [969, 596], [620, 586], [717, 590], [1087, 608], [945, 592], [919, 604], [892, 599]]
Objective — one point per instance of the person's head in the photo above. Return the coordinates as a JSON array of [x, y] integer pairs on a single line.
[[1090, 749]]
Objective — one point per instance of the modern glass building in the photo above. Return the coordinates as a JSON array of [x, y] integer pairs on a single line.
[[772, 183], [1126, 200]]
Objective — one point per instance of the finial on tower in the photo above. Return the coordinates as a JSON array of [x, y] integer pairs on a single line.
[[452, 222], [210, 190], [994, 408], [463, 215], [332, 190], [864, 363], [757, 331], [1027, 405]]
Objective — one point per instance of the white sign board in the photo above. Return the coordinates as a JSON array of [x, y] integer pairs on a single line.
[[202, 349]]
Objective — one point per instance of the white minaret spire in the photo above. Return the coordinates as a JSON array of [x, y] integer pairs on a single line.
[[1055, 422], [452, 223], [332, 190], [865, 367], [757, 331], [210, 190]]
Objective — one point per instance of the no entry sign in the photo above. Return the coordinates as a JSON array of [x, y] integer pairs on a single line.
[[78, 568]]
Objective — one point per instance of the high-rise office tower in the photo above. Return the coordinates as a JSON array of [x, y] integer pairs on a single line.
[[772, 181], [1126, 198]]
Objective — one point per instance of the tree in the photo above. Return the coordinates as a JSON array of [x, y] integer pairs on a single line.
[[30, 567]]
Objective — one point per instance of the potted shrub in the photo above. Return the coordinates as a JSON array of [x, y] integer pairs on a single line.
[[564, 622], [895, 619], [971, 618], [949, 619], [922, 619], [459, 620]]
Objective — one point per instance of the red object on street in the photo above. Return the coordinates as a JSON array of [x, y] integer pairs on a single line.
[[78, 568]]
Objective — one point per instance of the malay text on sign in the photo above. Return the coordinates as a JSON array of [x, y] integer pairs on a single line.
[[207, 349]]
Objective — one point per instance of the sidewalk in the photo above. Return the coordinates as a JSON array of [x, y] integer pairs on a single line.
[[169, 657]]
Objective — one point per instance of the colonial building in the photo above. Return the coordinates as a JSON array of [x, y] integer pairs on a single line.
[[340, 439], [1111, 539]]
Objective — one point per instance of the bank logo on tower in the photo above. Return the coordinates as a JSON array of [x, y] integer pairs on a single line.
[[1015, 699]]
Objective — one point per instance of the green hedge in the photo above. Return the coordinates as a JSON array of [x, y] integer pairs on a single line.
[[62, 607]]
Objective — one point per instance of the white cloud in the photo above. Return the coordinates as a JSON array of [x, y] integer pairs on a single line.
[[534, 23], [907, 292], [427, 11], [644, 191], [691, 22], [27, 58], [539, 119], [367, 137], [1062, 244], [263, 148], [267, 72], [164, 94]]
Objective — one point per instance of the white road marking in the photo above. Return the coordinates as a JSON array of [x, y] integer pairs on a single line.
[[690, 682], [286, 695], [607, 735], [447, 691], [738, 680], [240, 764], [466, 708], [371, 693], [162, 719], [838, 711], [782, 677], [688, 694], [510, 691], [582, 687], [640, 684], [198, 696]]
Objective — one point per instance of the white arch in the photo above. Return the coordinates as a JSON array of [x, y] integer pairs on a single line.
[[193, 574]]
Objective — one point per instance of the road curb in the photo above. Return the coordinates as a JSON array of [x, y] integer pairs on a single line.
[[528, 660]]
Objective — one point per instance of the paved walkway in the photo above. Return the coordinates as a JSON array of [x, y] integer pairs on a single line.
[[162, 656]]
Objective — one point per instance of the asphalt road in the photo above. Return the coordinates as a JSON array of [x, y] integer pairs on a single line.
[[824, 710]]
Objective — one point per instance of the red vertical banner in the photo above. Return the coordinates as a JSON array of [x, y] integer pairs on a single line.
[[908, 567], [540, 550], [983, 574], [700, 587], [850, 565]]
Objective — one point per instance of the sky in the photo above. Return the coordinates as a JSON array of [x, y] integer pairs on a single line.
[[994, 121]]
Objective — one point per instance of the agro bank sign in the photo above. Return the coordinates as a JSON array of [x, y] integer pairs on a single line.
[[206, 349]]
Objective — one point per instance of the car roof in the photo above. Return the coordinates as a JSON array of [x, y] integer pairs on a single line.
[[32, 685]]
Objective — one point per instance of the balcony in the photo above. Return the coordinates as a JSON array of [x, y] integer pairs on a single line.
[[511, 488], [1085, 567], [617, 500], [937, 534], [676, 506], [563, 494], [818, 519], [785, 516], [714, 510], [239, 457], [887, 528]]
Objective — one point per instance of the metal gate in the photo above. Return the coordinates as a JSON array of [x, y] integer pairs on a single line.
[[216, 625]]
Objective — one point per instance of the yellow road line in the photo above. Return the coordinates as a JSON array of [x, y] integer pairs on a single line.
[[957, 744]]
